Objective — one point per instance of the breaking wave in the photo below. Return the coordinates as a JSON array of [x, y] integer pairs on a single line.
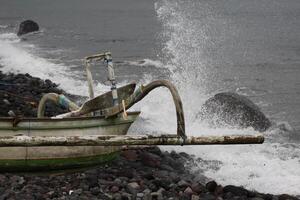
[[273, 167]]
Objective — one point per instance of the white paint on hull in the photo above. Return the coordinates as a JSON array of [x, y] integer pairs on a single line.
[[96, 126]]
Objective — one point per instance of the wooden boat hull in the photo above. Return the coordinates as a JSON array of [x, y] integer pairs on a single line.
[[60, 157]]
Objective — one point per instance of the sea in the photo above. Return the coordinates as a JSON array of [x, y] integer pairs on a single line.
[[202, 46]]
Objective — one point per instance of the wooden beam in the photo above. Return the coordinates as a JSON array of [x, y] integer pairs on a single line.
[[115, 140]]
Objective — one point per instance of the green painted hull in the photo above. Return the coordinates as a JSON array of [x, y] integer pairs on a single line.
[[22, 159], [55, 164]]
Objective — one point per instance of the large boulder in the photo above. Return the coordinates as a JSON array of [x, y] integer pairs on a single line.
[[233, 110], [27, 26]]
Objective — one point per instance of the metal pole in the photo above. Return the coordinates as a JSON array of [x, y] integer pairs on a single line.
[[112, 78], [116, 140]]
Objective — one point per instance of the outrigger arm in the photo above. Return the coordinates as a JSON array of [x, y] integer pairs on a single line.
[[93, 105], [139, 94], [115, 140]]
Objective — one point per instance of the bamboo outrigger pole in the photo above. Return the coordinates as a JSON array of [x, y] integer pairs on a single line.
[[114, 140]]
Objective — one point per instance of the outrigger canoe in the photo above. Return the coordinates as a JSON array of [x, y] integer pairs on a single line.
[[92, 133]]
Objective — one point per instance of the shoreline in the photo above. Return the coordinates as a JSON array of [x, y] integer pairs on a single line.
[[143, 173]]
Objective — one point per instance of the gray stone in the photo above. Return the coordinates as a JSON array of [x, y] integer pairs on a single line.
[[195, 197], [117, 196], [27, 26], [126, 196], [156, 195], [207, 196], [140, 195], [211, 186], [188, 191], [150, 159], [133, 188], [197, 188], [231, 109], [182, 183], [114, 188], [236, 191]]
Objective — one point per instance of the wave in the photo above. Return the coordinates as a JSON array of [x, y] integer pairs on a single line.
[[146, 63], [273, 167], [20, 57], [3, 26]]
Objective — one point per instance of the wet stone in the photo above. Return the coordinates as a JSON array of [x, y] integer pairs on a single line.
[[133, 188], [211, 186], [150, 159], [238, 191], [197, 188], [195, 197], [182, 183]]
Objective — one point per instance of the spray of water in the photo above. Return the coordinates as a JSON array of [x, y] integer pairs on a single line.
[[273, 167]]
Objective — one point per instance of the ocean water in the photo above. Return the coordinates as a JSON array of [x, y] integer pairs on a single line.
[[203, 47]]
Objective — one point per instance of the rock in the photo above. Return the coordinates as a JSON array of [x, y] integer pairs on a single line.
[[27, 26], [231, 109], [211, 186], [161, 174], [114, 189], [227, 195], [188, 191], [155, 150], [185, 155], [92, 181], [6, 101], [166, 167], [148, 175], [147, 194], [175, 155], [118, 181], [126, 196], [183, 183], [237, 191], [266, 196], [150, 159], [156, 195], [176, 164], [140, 195], [130, 155], [195, 197], [286, 197], [197, 188], [174, 177], [133, 188], [125, 173], [207, 196], [162, 183], [153, 187], [219, 190], [184, 196], [78, 191], [2, 179], [117, 196]]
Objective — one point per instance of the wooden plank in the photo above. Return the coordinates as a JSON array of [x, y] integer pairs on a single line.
[[115, 140]]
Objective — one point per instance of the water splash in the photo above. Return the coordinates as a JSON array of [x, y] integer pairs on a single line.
[[189, 34]]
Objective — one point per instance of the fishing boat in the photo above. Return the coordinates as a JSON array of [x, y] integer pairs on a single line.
[[92, 133]]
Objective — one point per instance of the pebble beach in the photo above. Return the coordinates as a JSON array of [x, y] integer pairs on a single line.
[[143, 173]]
